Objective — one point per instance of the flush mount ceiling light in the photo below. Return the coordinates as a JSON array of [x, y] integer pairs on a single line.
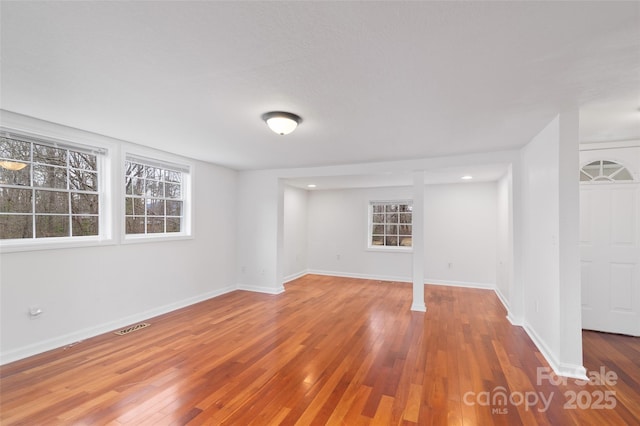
[[281, 122], [12, 165], [467, 177]]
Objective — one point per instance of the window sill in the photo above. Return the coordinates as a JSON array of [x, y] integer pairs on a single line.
[[147, 238], [386, 249], [12, 246]]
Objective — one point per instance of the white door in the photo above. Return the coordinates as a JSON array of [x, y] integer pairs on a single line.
[[610, 255]]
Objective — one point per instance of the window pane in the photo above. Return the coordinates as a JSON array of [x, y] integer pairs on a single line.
[[134, 169], [172, 190], [134, 186], [79, 160], [609, 168], [84, 225], [406, 241], [162, 203], [623, 175], [391, 241], [15, 177], [15, 150], [391, 224], [153, 173], [57, 182], [377, 241], [52, 226], [49, 177], [171, 176], [155, 225], [592, 169], [83, 181], [154, 189], [174, 208], [173, 224], [134, 206], [52, 202], [391, 218], [15, 200], [15, 226], [405, 217], [155, 207], [84, 203], [49, 155], [135, 225]]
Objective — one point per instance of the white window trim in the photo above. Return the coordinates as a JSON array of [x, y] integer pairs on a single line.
[[388, 249], [104, 190], [607, 179], [159, 158]]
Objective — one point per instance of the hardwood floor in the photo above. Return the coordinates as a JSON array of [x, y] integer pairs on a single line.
[[333, 351]]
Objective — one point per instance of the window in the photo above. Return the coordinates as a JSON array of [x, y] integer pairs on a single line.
[[48, 188], [154, 197], [390, 224], [605, 171]]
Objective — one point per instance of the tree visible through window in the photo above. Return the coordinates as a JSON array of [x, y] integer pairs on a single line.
[[390, 224], [47, 190], [154, 198]]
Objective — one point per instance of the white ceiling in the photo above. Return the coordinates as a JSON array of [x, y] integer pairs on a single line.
[[373, 81]]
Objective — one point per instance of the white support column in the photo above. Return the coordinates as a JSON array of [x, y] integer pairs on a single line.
[[569, 245], [418, 243]]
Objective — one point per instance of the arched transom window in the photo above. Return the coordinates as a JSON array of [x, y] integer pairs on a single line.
[[605, 171]]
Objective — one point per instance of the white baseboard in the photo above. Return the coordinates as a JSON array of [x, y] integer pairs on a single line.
[[466, 284], [260, 289], [404, 279], [67, 339], [295, 276], [574, 371], [502, 299]]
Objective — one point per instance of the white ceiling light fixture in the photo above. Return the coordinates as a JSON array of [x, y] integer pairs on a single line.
[[467, 177], [12, 165], [311, 185], [281, 122]]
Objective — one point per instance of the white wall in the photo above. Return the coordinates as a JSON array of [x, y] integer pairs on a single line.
[[295, 232], [542, 229], [504, 251], [460, 229], [550, 252], [257, 242], [90, 290], [337, 223], [461, 234]]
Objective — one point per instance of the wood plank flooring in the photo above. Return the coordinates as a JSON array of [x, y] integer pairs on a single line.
[[332, 351]]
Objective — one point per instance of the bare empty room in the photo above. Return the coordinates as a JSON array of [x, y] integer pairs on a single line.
[[319, 212]]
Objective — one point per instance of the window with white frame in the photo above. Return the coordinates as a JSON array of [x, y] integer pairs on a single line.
[[155, 197], [48, 188], [390, 224], [605, 171]]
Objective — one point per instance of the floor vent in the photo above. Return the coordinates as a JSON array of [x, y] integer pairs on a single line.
[[131, 329]]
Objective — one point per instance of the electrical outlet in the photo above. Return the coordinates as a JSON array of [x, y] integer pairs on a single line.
[[35, 311]]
